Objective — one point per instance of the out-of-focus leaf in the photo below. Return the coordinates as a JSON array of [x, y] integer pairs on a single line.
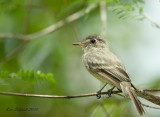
[[155, 84], [31, 76], [140, 10], [127, 9]]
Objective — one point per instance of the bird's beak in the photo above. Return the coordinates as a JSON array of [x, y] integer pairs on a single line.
[[78, 44]]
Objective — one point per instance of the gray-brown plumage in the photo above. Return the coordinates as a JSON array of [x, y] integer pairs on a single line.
[[105, 66]]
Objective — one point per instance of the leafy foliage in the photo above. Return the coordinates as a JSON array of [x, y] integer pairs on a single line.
[[31, 76], [130, 9]]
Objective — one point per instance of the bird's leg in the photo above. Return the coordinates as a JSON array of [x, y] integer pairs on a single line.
[[110, 91], [99, 92]]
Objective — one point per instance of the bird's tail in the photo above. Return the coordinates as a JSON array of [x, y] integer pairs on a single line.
[[129, 92]]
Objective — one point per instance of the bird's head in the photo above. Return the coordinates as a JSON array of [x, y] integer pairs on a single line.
[[92, 41]]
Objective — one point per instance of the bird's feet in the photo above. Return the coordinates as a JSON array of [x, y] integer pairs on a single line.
[[98, 94], [110, 91], [100, 91]]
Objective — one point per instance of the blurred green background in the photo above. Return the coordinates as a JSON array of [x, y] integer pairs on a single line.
[[130, 36]]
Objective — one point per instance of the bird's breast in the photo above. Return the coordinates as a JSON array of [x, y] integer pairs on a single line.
[[94, 60], [93, 63]]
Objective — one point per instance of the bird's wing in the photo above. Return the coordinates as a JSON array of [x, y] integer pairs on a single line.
[[107, 66], [109, 78], [114, 75], [118, 73]]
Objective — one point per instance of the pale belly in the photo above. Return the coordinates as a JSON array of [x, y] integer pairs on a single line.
[[98, 77]]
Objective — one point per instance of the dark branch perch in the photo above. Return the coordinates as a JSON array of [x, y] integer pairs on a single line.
[[141, 93], [56, 96], [144, 94]]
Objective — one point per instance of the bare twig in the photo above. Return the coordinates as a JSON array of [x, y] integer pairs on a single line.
[[150, 106], [13, 52], [152, 98], [152, 90], [14, 36], [151, 20], [51, 28], [23, 43], [141, 93], [56, 96], [43, 32], [103, 13]]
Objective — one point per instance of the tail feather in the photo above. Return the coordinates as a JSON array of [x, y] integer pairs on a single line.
[[129, 91], [135, 100]]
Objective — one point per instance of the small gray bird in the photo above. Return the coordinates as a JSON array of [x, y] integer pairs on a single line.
[[105, 66]]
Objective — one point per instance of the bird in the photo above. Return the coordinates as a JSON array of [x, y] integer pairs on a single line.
[[106, 67]]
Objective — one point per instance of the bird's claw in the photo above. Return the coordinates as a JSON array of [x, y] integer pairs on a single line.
[[98, 94], [110, 91]]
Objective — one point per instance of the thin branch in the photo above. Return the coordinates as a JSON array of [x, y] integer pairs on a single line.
[[14, 36], [53, 27], [23, 43], [141, 93], [152, 90], [103, 13], [144, 94], [151, 20], [13, 52], [150, 106], [56, 96], [43, 32]]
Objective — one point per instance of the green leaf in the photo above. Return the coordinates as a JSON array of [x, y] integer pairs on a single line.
[[140, 10], [131, 9], [31, 76]]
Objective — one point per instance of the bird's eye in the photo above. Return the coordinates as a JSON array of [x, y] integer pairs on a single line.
[[93, 41]]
